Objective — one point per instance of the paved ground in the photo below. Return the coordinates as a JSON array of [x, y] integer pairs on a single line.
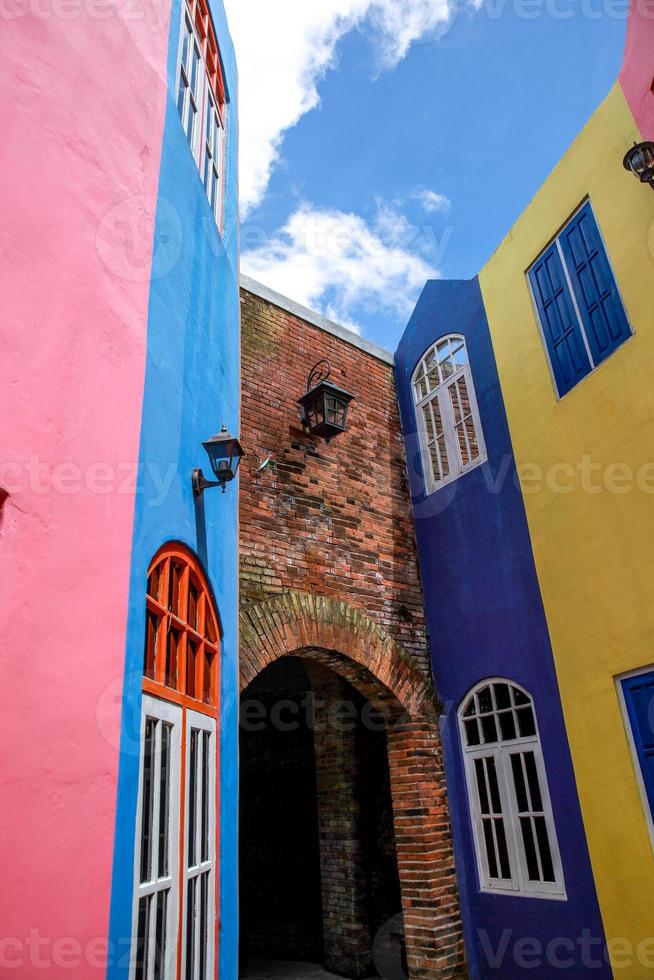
[[275, 970]]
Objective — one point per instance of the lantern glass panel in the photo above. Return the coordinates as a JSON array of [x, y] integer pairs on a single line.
[[316, 412], [336, 412]]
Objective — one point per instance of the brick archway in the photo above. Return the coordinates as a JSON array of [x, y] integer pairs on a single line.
[[331, 633]]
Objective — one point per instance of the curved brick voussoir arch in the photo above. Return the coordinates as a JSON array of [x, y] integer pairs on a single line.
[[336, 634]]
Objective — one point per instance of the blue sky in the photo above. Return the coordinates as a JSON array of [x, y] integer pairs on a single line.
[[406, 137]]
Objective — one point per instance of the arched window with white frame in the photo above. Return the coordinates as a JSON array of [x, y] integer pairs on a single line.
[[174, 916], [514, 831], [449, 426]]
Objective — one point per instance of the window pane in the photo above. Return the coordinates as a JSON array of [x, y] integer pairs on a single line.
[[161, 937], [150, 653], [493, 786], [147, 804], [460, 356], [472, 732], [421, 389], [208, 679], [192, 796], [530, 848], [507, 726], [503, 851], [143, 929], [526, 722], [164, 799], [465, 452], [154, 582], [455, 398], [206, 758], [172, 655], [204, 926], [471, 708], [191, 666], [193, 593], [482, 789], [490, 848], [485, 701], [544, 849], [502, 696], [489, 729], [181, 97], [195, 71], [174, 588], [519, 697], [190, 122], [520, 785], [190, 928], [210, 626], [532, 782]]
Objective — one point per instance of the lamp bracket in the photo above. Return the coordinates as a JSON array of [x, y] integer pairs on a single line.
[[318, 373], [200, 484]]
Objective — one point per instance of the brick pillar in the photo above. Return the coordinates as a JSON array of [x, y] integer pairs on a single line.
[[432, 921], [346, 937]]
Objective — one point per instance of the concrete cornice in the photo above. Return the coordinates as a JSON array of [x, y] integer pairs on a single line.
[[315, 319]]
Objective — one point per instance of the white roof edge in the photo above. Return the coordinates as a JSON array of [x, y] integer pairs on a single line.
[[316, 320]]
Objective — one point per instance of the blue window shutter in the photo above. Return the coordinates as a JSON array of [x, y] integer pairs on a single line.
[[568, 354], [596, 291], [639, 697]]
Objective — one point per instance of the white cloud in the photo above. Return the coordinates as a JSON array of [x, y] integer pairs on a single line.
[[284, 47], [337, 263], [432, 202]]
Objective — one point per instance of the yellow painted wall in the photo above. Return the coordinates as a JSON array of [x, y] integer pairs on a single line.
[[594, 551]]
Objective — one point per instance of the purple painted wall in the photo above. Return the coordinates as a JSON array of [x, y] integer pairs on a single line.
[[486, 619]]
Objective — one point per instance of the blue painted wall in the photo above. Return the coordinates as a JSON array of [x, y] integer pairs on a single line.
[[486, 619], [192, 386]]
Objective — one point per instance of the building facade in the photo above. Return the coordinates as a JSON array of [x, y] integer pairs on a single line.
[[343, 800], [526, 410], [121, 298]]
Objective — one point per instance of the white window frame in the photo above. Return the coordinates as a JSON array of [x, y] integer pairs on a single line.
[[163, 712], [213, 155], [519, 883], [202, 723], [206, 103], [197, 97], [440, 394], [649, 817]]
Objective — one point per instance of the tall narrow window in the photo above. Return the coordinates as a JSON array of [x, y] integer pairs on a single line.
[[638, 697], [514, 831], [579, 307], [213, 156], [449, 427], [175, 900], [201, 99]]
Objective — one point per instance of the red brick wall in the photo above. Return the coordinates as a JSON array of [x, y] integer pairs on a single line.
[[334, 519]]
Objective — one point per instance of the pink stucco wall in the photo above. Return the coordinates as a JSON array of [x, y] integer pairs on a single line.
[[82, 98], [637, 76]]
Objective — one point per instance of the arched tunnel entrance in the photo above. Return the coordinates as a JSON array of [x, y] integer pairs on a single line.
[[343, 800], [319, 879]]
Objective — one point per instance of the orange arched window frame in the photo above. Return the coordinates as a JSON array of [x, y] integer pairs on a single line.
[[181, 661], [201, 18]]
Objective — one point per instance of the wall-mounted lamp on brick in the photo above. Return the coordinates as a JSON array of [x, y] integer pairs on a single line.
[[225, 454], [640, 162], [325, 406]]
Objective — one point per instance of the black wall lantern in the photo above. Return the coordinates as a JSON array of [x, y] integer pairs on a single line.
[[640, 162], [324, 407], [225, 453]]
